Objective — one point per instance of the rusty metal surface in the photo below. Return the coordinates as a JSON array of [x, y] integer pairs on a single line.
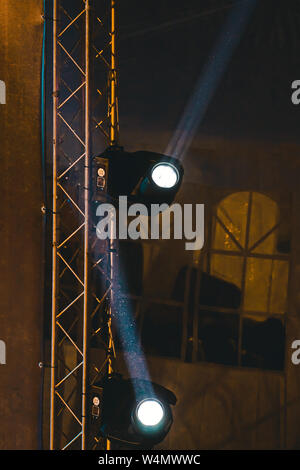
[[21, 222]]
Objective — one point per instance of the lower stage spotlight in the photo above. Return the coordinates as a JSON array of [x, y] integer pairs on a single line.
[[135, 412]]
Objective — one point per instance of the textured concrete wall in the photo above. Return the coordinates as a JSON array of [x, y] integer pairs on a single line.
[[20, 221]]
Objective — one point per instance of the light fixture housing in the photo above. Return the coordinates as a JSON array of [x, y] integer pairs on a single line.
[[125, 411], [145, 177]]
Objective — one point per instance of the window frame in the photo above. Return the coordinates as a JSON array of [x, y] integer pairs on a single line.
[[213, 197], [207, 253]]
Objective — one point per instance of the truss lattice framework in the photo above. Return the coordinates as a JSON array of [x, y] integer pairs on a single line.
[[85, 120]]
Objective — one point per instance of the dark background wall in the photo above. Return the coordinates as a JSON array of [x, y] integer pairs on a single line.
[[21, 222], [242, 143]]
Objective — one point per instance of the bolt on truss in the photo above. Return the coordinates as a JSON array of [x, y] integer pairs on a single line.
[[85, 122]]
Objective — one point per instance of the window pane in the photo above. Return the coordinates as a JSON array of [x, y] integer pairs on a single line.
[[266, 285], [268, 246], [212, 291], [264, 216], [222, 240], [232, 211], [263, 343], [218, 337], [258, 283], [228, 268]]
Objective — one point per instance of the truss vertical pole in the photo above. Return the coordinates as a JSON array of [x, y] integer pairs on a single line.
[[73, 286], [86, 221], [113, 80], [113, 141], [54, 232]]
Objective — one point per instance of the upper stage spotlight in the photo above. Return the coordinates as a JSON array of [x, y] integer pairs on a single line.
[[142, 176]]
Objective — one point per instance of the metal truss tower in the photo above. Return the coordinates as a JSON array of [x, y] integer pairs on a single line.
[[85, 121]]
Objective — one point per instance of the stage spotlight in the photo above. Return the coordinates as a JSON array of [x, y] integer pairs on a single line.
[[150, 412], [165, 175], [136, 412], [142, 176]]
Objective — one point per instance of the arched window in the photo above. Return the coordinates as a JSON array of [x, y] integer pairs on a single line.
[[246, 252], [245, 236]]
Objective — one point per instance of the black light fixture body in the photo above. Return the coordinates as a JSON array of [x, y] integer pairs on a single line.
[[119, 400], [121, 173]]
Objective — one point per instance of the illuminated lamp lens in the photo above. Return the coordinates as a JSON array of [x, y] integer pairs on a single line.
[[150, 412], [165, 175]]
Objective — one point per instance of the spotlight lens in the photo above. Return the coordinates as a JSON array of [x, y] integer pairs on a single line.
[[165, 175], [150, 412]]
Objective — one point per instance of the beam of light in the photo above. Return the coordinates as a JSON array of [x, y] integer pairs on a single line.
[[123, 318], [210, 78], [132, 351]]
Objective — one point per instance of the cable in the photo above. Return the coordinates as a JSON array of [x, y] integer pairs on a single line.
[[44, 228]]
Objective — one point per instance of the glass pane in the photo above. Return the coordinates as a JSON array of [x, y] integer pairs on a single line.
[[268, 246], [212, 291], [232, 211], [264, 216], [228, 268], [258, 284], [222, 240], [266, 285], [218, 337], [263, 343]]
